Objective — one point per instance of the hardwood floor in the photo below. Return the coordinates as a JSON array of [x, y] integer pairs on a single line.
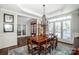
[[4, 51]]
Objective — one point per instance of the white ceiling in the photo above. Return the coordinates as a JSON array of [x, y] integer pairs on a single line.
[[36, 10]]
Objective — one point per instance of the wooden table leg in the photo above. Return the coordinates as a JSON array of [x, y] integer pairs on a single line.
[[46, 44]]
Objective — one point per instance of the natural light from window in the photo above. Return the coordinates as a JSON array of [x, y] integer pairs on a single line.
[[60, 26]]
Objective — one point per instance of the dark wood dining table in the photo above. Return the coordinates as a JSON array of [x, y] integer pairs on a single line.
[[39, 39]]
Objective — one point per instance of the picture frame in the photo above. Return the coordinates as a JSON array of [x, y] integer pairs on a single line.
[[8, 27], [8, 18]]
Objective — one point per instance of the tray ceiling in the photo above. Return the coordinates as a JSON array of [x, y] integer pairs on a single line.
[[36, 10]]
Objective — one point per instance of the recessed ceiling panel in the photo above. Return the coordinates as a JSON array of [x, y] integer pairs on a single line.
[[38, 8]]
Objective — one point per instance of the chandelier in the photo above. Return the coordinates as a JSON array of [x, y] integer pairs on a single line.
[[44, 20]]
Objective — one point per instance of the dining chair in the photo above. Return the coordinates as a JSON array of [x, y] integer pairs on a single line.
[[29, 46], [55, 42], [52, 43]]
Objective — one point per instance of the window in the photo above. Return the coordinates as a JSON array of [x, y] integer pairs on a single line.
[[18, 29], [66, 29], [50, 27], [61, 26], [58, 29], [21, 29], [24, 29]]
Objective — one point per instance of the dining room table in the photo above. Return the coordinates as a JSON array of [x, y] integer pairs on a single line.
[[39, 39]]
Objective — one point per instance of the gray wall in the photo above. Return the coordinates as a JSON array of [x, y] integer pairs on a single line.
[[75, 23], [9, 38], [75, 29]]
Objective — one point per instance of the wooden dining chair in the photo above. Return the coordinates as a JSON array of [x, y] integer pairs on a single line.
[[29, 46], [54, 39], [52, 43], [55, 42], [50, 46]]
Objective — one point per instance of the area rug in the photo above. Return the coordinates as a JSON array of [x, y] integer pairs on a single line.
[[60, 50]]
